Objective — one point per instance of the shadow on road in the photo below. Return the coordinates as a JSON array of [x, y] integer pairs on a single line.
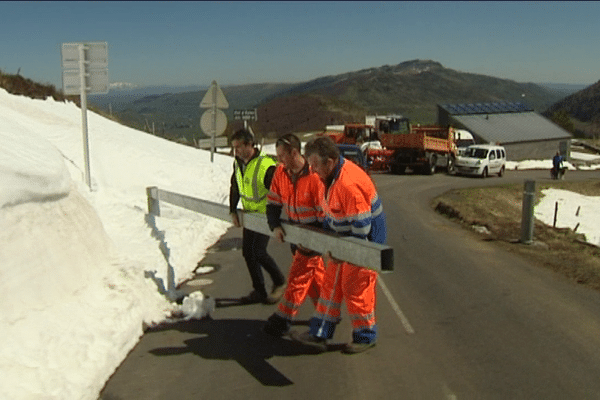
[[235, 339]]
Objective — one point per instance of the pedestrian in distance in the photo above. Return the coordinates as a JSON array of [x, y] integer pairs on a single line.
[[351, 207], [557, 166], [296, 190], [252, 174]]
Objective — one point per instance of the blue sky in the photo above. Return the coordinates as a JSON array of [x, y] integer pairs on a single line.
[[194, 43]]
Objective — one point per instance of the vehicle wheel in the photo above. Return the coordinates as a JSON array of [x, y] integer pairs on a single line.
[[398, 169], [450, 166], [484, 173], [501, 172], [430, 169]]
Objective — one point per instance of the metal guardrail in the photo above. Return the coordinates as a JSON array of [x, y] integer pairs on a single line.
[[367, 254]]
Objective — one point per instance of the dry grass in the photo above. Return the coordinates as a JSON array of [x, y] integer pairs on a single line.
[[499, 209]]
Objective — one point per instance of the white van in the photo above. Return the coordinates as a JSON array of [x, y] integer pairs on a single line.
[[482, 160]]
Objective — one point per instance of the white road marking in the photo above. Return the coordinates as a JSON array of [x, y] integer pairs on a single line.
[[407, 326]]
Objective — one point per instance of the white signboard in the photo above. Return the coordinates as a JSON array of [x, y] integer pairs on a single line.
[[207, 143], [95, 62], [96, 81], [246, 115], [96, 54]]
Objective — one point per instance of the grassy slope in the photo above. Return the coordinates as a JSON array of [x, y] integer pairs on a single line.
[[499, 209]]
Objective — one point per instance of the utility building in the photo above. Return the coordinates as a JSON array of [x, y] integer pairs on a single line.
[[525, 134]]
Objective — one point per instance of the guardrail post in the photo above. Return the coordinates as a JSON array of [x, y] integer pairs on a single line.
[[527, 220], [153, 202]]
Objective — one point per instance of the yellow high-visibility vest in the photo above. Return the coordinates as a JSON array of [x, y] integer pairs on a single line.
[[251, 183]]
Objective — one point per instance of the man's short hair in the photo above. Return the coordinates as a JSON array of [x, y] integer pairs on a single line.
[[243, 135], [324, 147], [289, 142]]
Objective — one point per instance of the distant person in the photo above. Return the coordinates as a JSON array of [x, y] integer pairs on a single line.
[[557, 163], [295, 189], [351, 207], [251, 179]]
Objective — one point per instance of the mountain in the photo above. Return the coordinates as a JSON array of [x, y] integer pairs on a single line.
[[583, 105], [411, 88]]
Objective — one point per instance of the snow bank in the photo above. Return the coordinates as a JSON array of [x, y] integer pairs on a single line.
[[31, 169], [74, 263]]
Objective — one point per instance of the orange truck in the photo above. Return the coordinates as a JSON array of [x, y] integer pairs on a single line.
[[392, 143], [350, 133]]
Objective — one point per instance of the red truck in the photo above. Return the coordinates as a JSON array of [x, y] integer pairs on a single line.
[[392, 143]]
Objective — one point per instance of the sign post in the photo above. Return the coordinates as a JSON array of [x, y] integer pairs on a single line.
[[85, 70], [213, 121]]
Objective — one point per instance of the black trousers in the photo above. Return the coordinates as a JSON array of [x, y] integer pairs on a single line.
[[254, 250]]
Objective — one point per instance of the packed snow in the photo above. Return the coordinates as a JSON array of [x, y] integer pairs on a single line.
[[82, 270]]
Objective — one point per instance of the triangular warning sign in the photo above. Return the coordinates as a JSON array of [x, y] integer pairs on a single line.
[[214, 96]]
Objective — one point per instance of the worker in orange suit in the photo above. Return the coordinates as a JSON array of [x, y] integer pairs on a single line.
[[351, 207], [294, 189]]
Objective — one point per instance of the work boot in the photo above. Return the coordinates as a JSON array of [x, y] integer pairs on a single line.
[[276, 326], [276, 294], [253, 298], [355, 348], [318, 344]]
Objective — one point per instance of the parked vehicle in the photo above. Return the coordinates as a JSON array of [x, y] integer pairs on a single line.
[[463, 139], [351, 134], [353, 152], [421, 148], [400, 144], [482, 160]]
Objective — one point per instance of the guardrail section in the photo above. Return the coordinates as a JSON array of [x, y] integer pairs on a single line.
[[367, 254]]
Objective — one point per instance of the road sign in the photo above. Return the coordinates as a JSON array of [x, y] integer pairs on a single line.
[[85, 70], [96, 81], [92, 58], [246, 115], [207, 143], [96, 55], [214, 97], [220, 122]]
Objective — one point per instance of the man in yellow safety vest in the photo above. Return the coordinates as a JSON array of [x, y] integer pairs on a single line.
[[252, 174]]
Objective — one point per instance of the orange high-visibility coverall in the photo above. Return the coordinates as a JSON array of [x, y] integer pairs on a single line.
[[351, 207], [299, 196]]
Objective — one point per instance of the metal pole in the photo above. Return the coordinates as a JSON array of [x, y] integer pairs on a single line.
[[214, 121], [83, 96], [527, 219]]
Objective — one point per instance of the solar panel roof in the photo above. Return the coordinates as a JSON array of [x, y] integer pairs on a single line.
[[486, 108]]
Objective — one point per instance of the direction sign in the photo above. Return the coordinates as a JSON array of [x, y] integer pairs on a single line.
[[246, 115], [96, 81], [207, 143], [206, 122], [96, 55], [214, 97], [94, 65]]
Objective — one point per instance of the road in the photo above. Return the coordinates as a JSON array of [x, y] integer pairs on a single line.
[[466, 320]]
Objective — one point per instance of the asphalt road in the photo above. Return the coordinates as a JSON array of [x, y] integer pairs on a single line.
[[459, 318]]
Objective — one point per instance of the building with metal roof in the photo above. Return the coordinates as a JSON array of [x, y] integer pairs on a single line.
[[524, 133]]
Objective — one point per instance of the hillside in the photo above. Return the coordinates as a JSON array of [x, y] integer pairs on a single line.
[[584, 108], [583, 105], [412, 88]]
